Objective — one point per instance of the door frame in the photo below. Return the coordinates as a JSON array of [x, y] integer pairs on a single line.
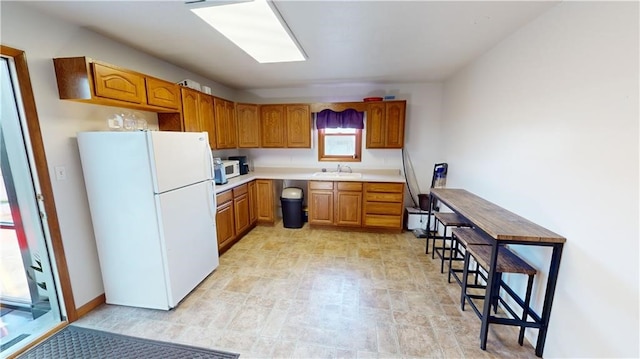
[[37, 146]]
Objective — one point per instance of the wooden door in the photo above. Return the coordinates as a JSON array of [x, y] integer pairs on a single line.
[[321, 207], [253, 202], [298, 122], [190, 108], [225, 225], [272, 126], [225, 124], [118, 84], [394, 134], [162, 93], [248, 125], [264, 188], [375, 125], [205, 111], [231, 125], [349, 208], [241, 211], [348, 204]]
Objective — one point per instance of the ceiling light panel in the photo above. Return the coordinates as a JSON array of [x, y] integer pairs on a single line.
[[256, 27]]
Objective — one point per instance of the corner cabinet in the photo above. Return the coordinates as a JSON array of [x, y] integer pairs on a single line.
[[285, 126], [385, 124], [266, 204], [196, 115], [83, 79]]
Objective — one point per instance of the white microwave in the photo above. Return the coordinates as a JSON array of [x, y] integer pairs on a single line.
[[231, 168]]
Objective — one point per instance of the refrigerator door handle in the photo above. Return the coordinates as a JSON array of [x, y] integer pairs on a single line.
[[210, 161], [212, 202]]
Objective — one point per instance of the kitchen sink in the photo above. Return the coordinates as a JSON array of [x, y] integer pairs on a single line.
[[337, 175]]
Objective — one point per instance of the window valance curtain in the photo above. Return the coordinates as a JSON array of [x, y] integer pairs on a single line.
[[349, 118]]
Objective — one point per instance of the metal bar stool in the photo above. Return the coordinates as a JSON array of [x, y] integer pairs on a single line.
[[447, 220], [508, 262], [461, 239]]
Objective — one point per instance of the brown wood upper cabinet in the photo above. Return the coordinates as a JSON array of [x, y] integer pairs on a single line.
[[385, 124], [225, 119], [86, 80], [285, 126], [248, 125], [298, 124], [196, 116]]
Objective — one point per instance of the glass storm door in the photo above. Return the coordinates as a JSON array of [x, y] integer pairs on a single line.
[[28, 297]]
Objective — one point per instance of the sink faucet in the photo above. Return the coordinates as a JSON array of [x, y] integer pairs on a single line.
[[340, 167]]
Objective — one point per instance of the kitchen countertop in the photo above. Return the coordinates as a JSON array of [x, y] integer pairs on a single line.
[[306, 174]]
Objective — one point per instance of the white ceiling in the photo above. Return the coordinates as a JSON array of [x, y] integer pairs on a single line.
[[345, 41]]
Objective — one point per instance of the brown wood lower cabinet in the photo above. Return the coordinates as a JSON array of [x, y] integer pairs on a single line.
[[266, 204], [335, 203], [234, 215], [225, 223], [383, 205]]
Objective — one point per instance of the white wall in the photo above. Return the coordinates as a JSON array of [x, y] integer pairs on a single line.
[[61, 120], [546, 125], [423, 113]]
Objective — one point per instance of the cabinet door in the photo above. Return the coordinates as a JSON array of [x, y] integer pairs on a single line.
[[162, 93], [225, 123], [248, 125], [321, 207], [225, 224], [253, 203], [205, 112], [241, 210], [118, 84], [298, 126], [348, 204], [190, 107], [394, 134], [272, 126], [264, 188], [375, 125]]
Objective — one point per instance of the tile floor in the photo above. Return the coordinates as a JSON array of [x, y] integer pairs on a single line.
[[310, 293]]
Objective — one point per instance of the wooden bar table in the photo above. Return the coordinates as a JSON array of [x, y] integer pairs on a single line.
[[506, 228]]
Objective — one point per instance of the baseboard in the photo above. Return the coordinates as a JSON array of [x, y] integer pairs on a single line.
[[93, 304]]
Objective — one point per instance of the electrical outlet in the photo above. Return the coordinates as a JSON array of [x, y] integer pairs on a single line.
[[61, 173]]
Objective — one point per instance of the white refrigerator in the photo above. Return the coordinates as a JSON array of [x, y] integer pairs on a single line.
[[152, 201]]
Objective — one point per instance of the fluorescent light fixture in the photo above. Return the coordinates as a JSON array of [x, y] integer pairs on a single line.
[[254, 26]]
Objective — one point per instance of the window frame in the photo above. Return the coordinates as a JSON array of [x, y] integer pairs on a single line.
[[357, 157]]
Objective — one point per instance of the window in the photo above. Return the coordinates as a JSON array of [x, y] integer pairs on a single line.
[[339, 135], [339, 144]]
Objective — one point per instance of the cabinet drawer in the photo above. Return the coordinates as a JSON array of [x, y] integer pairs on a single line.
[[386, 208], [240, 190], [374, 220], [384, 187], [224, 197], [320, 185], [349, 186], [383, 197]]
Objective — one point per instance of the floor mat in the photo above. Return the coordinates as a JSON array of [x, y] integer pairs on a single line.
[[75, 342]]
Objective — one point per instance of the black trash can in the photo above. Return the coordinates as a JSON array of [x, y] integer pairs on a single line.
[[292, 214]]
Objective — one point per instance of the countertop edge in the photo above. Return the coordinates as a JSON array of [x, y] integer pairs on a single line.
[[302, 176]]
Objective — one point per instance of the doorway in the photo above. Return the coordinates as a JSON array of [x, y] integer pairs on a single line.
[[29, 302]]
